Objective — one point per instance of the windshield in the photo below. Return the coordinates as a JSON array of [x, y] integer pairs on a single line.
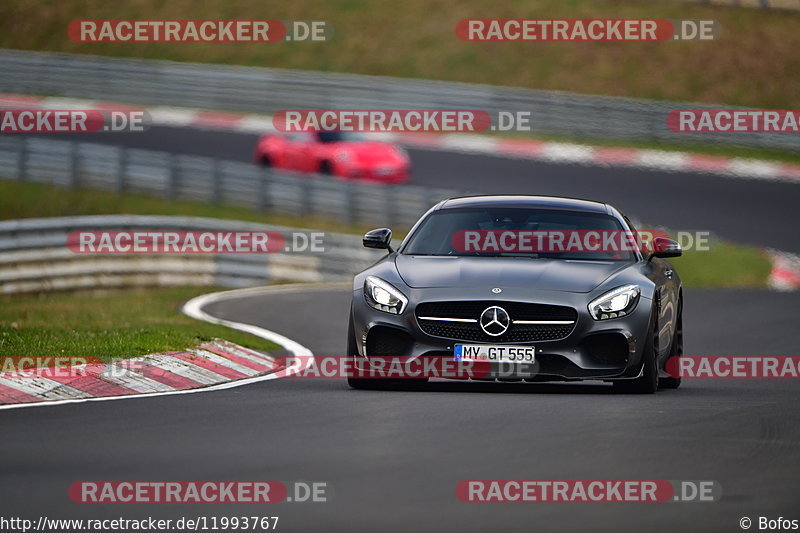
[[522, 232], [338, 136]]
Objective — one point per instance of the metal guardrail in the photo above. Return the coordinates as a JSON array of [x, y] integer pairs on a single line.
[[262, 90], [34, 257], [192, 178]]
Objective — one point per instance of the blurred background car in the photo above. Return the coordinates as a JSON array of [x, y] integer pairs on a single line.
[[343, 154]]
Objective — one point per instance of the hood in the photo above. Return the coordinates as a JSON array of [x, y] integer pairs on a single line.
[[369, 152], [543, 274]]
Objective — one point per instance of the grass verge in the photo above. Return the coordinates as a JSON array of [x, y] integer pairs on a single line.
[[107, 324], [725, 265], [30, 200]]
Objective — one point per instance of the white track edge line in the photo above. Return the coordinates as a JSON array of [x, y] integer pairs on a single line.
[[193, 308]]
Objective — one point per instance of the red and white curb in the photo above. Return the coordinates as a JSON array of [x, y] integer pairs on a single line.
[[547, 151], [785, 274], [215, 365]]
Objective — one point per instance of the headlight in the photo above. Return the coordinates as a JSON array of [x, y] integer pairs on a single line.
[[616, 303], [383, 297]]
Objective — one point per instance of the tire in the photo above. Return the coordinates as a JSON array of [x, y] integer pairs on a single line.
[[265, 161], [647, 383], [352, 351], [676, 350], [325, 168]]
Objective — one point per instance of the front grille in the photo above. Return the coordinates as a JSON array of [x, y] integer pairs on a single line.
[[516, 333]]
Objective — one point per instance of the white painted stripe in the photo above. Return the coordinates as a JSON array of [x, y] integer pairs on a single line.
[[223, 361], [126, 378], [252, 356], [754, 168], [193, 308], [55, 102], [43, 388], [182, 368], [256, 124], [172, 116], [464, 142], [662, 160], [567, 153]]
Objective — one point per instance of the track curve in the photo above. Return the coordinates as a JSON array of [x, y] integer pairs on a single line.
[[392, 458]]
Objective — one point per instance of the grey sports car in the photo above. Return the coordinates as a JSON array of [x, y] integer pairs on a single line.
[[467, 285]]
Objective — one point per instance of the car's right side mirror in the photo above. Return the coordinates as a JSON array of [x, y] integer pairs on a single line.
[[663, 247], [378, 238]]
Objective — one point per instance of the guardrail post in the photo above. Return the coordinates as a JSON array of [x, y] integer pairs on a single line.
[[349, 203], [172, 177], [391, 207], [22, 161], [264, 177], [122, 164], [217, 181], [308, 192], [72, 178]]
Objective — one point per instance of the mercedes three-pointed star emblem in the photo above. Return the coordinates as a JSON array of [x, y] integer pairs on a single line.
[[494, 321]]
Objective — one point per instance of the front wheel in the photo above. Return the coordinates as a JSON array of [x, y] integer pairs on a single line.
[[676, 350], [647, 382]]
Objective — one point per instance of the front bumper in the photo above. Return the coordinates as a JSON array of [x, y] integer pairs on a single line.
[[393, 174], [607, 349]]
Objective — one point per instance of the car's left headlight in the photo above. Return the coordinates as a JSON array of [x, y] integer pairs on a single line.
[[616, 303], [382, 296]]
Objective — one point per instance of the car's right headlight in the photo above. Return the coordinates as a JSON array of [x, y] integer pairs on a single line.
[[384, 297], [616, 303]]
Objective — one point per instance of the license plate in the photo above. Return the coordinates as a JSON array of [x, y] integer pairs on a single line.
[[494, 354]]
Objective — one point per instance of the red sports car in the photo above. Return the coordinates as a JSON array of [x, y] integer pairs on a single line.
[[343, 154]]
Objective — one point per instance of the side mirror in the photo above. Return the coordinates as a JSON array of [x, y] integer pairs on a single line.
[[378, 238], [663, 247]]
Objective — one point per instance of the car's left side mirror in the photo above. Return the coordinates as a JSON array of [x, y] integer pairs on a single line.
[[663, 247], [378, 238]]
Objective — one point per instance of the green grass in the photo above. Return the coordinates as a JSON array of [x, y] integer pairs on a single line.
[[754, 63], [725, 265], [107, 324], [29, 200]]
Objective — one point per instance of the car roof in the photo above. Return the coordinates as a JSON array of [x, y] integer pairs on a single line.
[[523, 200]]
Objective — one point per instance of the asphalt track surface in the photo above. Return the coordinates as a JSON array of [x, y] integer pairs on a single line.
[[392, 459], [756, 212]]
